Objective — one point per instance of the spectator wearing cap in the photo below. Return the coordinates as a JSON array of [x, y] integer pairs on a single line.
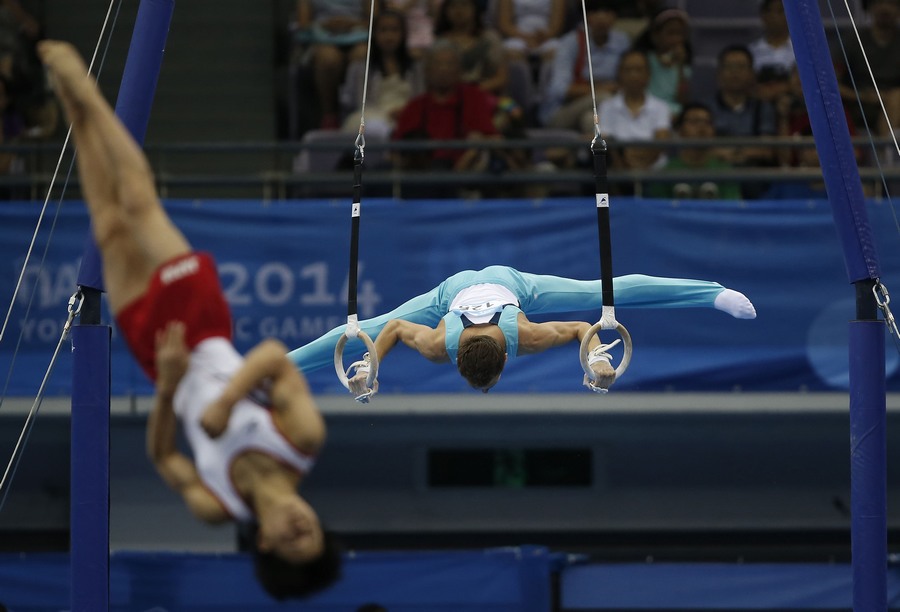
[[666, 41]]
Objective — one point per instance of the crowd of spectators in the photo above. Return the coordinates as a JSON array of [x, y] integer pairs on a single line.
[[28, 110], [495, 69]]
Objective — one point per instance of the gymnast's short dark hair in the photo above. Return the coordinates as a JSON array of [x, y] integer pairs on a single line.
[[285, 580], [480, 360]]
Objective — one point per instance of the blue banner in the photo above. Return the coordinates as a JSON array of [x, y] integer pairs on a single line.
[[492, 580], [283, 268]]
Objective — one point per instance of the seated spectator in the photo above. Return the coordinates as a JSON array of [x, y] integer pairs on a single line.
[[793, 121], [634, 114], [394, 78], [336, 31], [567, 102], [12, 130], [881, 42], [25, 83], [531, 28], [808, 159], [510, 123], [695, 122], [19, 33], [419, 16], [461, 22], [772, 84], [666, 41], [450, 109], [774, 50], [738, 112]]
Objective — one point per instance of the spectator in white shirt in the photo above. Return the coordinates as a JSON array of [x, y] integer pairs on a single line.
[[634, 114]]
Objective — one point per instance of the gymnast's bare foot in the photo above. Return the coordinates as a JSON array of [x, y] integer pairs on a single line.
[[68, 72]]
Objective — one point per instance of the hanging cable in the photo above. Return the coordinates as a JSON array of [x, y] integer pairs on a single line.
[[884, 112], [882, 297], [75, 302], [9, 473], [853, 83], [59, 160], [369, 363], [607, 320]]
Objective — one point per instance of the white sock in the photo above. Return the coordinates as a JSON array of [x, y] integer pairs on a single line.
[[736, 304]]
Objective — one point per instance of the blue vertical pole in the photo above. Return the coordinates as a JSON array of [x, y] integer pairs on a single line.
[[89, 530], [868, 457], [89, 513], [868, 506]]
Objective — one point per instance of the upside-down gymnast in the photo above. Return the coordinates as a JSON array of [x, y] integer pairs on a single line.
[[479, 319], [252, 424]]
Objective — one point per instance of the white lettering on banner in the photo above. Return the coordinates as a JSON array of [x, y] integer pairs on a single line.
[[284, 278], [234, 281], [41, 330], [313, 327], [367, 300], [320, 296], [52, 286], [179, 270], [294, 331], [243, 329], [275, 284]]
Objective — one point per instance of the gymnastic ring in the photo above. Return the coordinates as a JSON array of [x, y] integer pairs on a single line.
[[339, 360], [585, 349]]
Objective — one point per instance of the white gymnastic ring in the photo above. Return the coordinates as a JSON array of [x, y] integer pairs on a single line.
[[339, 360], [585, 349]]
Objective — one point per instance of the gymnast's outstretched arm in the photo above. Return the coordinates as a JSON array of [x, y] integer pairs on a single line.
[[423, 310], [428, 342]]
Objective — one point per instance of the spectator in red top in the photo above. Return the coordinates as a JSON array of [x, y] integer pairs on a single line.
[[448, 110]]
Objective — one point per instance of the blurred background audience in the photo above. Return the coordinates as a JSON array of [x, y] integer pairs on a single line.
[[528, 61]]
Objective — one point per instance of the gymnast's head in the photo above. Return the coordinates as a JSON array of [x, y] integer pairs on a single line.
[[480, 360], [294, 556]]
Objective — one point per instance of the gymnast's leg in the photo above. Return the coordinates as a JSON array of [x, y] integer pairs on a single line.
[[551, 294], [130, 227], [423, 309]]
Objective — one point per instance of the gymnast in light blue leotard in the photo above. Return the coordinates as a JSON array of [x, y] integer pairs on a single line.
[[509, 293]]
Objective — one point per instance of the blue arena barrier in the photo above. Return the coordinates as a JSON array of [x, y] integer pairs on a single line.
[[494, 580], [713, 586]]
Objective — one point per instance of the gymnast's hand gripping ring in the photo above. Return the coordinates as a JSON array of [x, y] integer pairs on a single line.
[[373, 369], [584, 355]]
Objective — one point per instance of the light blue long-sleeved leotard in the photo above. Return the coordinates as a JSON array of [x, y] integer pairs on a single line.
[[537, 294]]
